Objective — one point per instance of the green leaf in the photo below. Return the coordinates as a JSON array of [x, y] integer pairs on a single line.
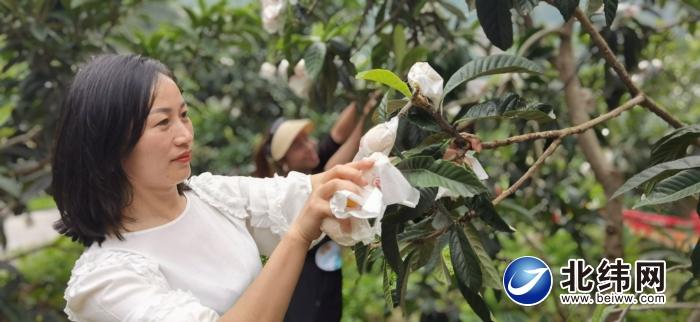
[[413, 55], [387, 108], [490, 65], [650, 173], [487, 212], [402, 281], [11, 187], [494, 17], [476, 302], [399, 37], [491, 276], [361, 252], [454, 10], [566, 7], [610, 11], [390, 246], [683, 184], [387, 78], [509, 106], [427, 198], [388, 285], [5, 113], [674, 145], [464, 259], [427, 172], [314, 58]]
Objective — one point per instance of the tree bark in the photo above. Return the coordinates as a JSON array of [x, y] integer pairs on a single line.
[[605, 172]]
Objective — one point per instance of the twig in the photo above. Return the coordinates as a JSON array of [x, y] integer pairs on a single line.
[[405, 109], [624, 312], [21, 138], [312, 7], [669, 306], [379, 28], [567, 131], [621, 72], [552, 147]]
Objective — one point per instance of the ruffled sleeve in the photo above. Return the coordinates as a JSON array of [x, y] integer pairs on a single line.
[[117, 285], [269, 205]]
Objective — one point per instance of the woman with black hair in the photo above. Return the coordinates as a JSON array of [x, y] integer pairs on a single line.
[[161, 247]]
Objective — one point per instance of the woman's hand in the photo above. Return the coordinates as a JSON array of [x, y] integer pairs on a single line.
[[307, 226]]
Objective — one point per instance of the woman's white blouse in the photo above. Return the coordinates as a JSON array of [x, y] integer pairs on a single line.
[[195, 267]]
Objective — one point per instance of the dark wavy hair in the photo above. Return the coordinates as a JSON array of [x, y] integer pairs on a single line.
[[102, 119]]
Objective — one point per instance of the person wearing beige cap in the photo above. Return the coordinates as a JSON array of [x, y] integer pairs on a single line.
[[288, 146]]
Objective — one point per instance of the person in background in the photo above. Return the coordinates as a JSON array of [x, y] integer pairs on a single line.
[[287, 147]]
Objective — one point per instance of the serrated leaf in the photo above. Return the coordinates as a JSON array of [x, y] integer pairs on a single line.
[[650, 173], [387, 78], [491, 276], [494, 17], [509, 106], [464, 260], [427, 172], [678, 186], [487, 212], [314, 58], [566, 7], [388, 108], [610, 11], [390, 246], [490, 65], [674, 145]]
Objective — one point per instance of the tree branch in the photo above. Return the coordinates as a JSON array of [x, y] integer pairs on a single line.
[[21, 138], [552, 147], [567, 131], [620, 70]]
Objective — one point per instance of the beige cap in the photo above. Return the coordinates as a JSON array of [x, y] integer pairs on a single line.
[[285, 135]]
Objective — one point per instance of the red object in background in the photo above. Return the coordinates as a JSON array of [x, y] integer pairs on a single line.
[[649, 224]]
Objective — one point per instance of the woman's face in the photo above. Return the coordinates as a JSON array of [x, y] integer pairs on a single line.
[[302, 155], [161, 157]]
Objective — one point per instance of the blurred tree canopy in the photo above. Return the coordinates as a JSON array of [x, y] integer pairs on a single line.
[[529, 67]]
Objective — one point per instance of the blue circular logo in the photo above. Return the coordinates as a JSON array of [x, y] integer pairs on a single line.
[[527, 280]]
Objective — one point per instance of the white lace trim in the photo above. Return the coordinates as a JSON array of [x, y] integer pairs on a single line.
[[205, 186], [267, 213], [92, 260]]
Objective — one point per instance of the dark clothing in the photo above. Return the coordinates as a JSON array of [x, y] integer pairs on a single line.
[[318, 295], [326, 149]]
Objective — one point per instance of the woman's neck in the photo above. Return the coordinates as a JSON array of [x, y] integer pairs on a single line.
[[153, 207]]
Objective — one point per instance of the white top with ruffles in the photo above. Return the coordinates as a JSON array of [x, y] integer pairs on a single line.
[[195, 267]]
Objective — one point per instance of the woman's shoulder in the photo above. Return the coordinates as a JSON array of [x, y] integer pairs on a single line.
[[98, 263]]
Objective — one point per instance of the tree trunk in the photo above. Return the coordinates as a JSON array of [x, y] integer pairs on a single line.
[[604, 171]]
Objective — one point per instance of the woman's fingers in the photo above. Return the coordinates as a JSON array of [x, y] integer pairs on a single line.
[[329, 188], [352, 171]]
